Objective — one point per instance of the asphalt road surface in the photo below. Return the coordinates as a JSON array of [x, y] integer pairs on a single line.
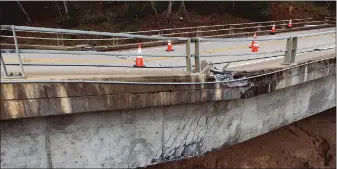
[[125, 63]]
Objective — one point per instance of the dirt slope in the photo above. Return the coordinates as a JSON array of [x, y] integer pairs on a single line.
[[286, 10]]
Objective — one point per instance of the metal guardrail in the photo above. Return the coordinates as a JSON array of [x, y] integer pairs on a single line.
[[198, 28], [290, 51], [200, 31], [162, 83]]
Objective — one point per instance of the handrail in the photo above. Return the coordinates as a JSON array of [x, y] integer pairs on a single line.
[[290, 40], [91, 53], [249, 23], [119, 39], [196, 27], [161, 83], [81, 32], [261, 39]]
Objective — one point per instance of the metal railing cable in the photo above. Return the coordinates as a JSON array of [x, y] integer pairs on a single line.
[[65, 39], [188, 55], [199, 27], [138, 54], [177, 33], [158, 83], [214, 63], [93, 65], [120, 39], [153, 37], [262, 39], [272, 56], [201, 39], [239, 54], [310, 47], [92, 53], [247, 54], [81, 32]]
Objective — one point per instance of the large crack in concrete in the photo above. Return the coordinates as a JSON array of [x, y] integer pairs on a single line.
[[308, 143]]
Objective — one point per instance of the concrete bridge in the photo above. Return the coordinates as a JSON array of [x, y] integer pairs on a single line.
[[97, 124], [71, 110]]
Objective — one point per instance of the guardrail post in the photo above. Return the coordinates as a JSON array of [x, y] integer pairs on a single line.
[[59, 37], [231, 29], [325, 20], [287, 56], [3, 65], [293, 49], [259, 27], [17, 52], [188, 56], [284, 23], [290, 53], [113, 41], [197, 68], [306, 22]]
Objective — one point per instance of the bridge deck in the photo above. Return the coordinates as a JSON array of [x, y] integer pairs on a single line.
[[35, 71]]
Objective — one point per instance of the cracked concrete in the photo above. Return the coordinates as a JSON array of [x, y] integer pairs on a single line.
[[308, 143], [140, 137], [116, 126], [47, 99]]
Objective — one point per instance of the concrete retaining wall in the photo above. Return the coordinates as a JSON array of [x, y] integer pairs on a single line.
[[139, 137]]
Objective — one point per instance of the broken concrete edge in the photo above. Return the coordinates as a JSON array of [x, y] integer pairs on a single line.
[[21, 91], [39, 99]]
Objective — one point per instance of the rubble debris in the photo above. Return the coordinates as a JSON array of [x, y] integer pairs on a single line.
[[224, 75]]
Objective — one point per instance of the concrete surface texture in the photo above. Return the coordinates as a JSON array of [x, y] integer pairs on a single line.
[[140, 137], [304, 44], [308, 143], [115, 125], [46, 99]]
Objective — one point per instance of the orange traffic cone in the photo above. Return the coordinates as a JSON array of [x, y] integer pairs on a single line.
[[253, 40], [139, 59], [255, 47], [169, 47], [290, 24], [273, 31]]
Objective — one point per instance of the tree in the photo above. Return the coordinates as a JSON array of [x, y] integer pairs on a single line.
[[58, 9], [327, 4], [169, 9], [23, 10], [154, 8], [66, 8], [183, 8]]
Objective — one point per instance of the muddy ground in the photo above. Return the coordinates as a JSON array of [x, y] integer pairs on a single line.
[[309, 143]]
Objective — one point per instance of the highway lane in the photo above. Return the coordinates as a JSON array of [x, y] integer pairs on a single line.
[[205, 48]]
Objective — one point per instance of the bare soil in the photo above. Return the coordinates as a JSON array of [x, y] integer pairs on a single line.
[[280, 10], [309, 143]]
